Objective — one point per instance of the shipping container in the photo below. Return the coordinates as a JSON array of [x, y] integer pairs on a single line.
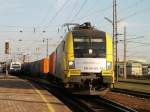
[[44, 65], [35, 68]]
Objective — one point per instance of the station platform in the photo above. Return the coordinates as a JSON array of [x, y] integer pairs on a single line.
[[19, 95]]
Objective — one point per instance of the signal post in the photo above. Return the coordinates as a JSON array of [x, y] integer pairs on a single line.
[[7, 52]]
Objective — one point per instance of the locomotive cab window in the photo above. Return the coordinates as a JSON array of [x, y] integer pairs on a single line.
[[89, 47]]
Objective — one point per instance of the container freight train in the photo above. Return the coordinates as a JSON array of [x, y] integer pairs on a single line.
[[83, 60], [36, 68]]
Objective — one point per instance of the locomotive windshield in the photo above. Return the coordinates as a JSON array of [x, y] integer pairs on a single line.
[[15, 66], [89, 45]]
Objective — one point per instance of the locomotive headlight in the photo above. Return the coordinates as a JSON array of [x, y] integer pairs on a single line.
[[109, 65], [90, 51], [71, 64]]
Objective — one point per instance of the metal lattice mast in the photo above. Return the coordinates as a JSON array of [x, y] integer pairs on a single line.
[[115, 39]]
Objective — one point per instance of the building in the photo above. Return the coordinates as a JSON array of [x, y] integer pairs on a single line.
[[149, 70], [132, 67], [146, 69]]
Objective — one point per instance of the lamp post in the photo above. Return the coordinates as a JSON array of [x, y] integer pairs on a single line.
[[46, 45], [47, 39], [115, 56], [37, 53], [125, 47]]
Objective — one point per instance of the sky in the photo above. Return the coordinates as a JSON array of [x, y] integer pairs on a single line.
[[26, 23]]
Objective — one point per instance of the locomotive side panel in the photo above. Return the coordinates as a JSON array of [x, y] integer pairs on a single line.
[[70, 60], [59, 73], [52, 60], [108, 74]]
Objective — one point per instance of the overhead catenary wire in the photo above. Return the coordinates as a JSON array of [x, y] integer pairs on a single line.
[[21, 31], [143, 43], [140, 42], [94, 12], [135, 13], [3, 25], [132, 5], [137, 37], [88, 9], [56, 14], [44, 18], [82, 6], [26, 29]]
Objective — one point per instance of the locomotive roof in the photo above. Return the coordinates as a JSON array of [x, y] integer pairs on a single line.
[[88, 32]]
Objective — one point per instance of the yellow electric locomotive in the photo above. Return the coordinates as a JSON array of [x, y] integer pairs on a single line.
[[84, 59]]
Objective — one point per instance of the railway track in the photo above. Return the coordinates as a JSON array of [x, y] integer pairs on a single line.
[[134, 82], [100, 104], [82, 103], [61, 93], [131, 92]]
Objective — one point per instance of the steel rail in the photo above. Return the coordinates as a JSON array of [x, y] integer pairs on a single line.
[[111, 105], [114, 105], [131, 92], [134, 82]]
